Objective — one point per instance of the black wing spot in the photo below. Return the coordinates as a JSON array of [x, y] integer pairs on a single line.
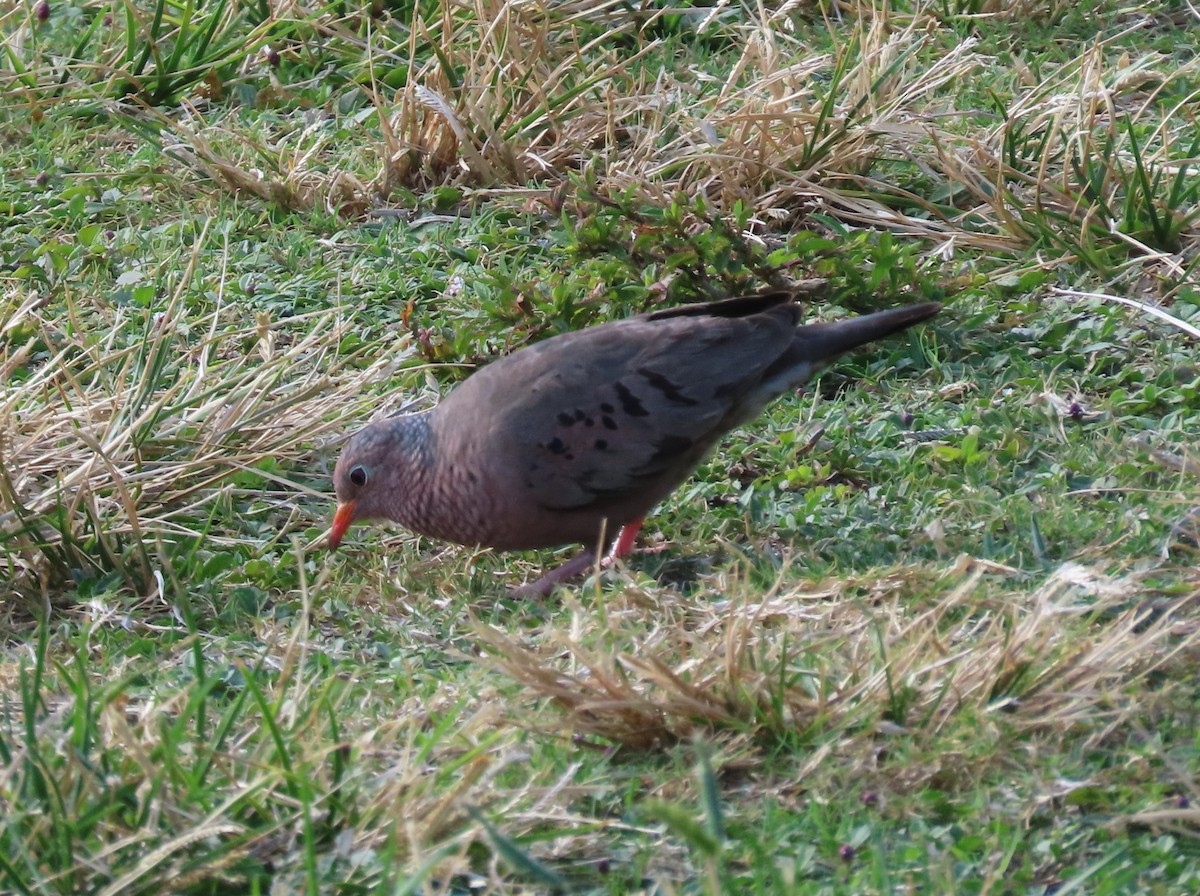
[[565, 419], [669, 390], [600, 445], [609, 422], [556, 446], [579, 415], [629, 402]]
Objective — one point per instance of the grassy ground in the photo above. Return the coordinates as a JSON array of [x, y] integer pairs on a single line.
[[929, 627]]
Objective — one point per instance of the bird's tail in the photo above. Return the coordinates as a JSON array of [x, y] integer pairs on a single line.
[[821, 342], [815, 346]]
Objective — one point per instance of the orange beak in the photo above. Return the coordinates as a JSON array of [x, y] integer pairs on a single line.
[[342, 519]]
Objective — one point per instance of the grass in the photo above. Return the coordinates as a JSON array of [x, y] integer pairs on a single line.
[[929, 627]]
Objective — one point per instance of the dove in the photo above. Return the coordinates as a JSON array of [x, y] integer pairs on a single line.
[[573, 440]]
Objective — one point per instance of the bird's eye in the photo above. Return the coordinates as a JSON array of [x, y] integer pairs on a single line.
[[358, 476]]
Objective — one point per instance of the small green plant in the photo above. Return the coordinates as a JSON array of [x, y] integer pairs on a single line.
[[156, 54]]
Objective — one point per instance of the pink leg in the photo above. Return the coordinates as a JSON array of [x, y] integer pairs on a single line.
[[625, 539]]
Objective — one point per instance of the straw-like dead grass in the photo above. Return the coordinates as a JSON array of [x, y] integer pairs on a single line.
[[500, 95], [114, 447], [1080, 164], [513, 95], [912, 653]]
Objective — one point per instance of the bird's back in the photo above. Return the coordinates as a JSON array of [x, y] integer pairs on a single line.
[[602, 423]]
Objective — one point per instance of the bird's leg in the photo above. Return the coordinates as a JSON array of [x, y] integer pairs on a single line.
[[624, 543], [576, 566], [580, 563]]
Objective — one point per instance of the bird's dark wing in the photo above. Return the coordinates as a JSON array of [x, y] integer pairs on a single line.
[[598, 417]]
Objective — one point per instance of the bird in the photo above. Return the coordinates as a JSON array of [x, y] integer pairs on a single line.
[[574, 439]]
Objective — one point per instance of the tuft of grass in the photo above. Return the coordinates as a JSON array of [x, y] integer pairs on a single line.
[[236, 768], [158, 53], [123, 457], [910, 654], [1076, 169]]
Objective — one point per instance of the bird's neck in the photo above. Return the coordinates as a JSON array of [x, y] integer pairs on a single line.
[[444, 497]]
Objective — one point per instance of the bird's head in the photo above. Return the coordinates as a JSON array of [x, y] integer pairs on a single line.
[[352, 480], [374, 470]]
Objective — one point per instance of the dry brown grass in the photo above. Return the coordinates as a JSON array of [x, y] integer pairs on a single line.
[[515, 97], [914, 653], [1063, 156], [510, 95], [111, 446], [994, 671], [507, 96]]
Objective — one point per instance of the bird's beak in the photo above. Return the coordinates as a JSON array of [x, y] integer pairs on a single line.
[[342, 519]]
